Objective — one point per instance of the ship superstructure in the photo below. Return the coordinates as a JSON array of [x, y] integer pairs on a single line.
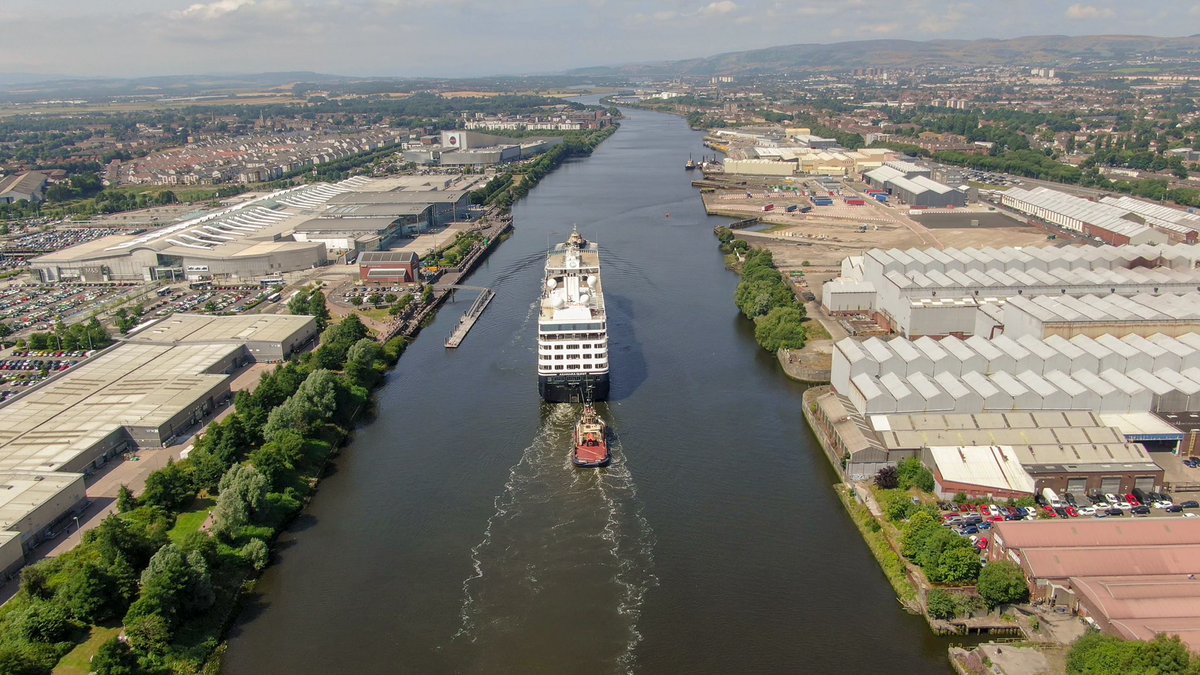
[[572, 325]]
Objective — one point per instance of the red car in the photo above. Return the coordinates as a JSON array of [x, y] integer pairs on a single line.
[[1133, 501], [1049, 510], [964, 508], [1071, 511], [981, 543], [996, 519]]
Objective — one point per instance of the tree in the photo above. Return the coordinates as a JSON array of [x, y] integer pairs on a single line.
[[170, 487], [256, 553], [1002, 583], [941, 605], [243, 491], [149, 634], [781, 328], [125, 500], [896, 505], [43, 622], [958, 566], [90, 594], [913, 474], [115, 658], [356, 300], [888, 478]]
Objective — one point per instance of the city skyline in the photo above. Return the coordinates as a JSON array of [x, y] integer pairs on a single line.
[[422, 38]]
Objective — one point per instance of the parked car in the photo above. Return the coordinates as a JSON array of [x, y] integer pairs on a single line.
[[969, 530], [1132, 500], [1087, 510], [1114, 511], [1072, 511], [1190, 504], [1192, 463], [982, 544], [1111, 498], [1062, 512], [1174, 508], [1141, 510], [1049, 510]]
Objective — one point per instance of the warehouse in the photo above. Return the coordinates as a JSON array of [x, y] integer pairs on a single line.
[[847, 296], [979, 472], [388, 267], [144, 392], [351, 233], [31, 503], [1134, 580], [1102, 221], [1142, 315], [22, 187], [445, 205]]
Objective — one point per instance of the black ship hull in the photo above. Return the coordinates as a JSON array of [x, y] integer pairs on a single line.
[[573, 388]]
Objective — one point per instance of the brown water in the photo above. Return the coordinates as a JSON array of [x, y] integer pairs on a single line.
[[454, 535]]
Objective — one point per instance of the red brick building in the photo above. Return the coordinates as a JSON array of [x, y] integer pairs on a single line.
[[388, 267]]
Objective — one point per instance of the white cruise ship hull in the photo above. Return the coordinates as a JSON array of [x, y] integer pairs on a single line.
[[573, 388]]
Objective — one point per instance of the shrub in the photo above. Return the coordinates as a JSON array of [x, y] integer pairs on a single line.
[[115, 658], [781, 328], [913, 474], [941, 605], [1002, 583], [888, 478]]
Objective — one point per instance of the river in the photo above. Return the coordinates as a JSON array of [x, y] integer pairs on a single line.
[[453, 535]]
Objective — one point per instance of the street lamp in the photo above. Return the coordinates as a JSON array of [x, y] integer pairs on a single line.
[[76, 523]]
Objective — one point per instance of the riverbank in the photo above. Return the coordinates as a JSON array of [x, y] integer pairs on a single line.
[[210, 522]]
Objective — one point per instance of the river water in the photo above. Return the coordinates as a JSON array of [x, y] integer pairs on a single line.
[[453, 534]]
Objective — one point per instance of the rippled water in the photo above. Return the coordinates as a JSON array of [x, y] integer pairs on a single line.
[[455, 536]]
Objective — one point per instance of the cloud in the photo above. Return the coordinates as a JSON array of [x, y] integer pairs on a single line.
[[213, 10], [1084, 12], [881, 28], [719, 7]]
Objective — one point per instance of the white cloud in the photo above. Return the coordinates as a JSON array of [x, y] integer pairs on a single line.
[[1081, 11], [719, 7], [881, 28], [213, 10]]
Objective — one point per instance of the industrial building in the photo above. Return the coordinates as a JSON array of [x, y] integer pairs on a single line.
[[471, 148], [1134, 579], [143, 392], [912, 184], [941, 292], [1144, 314], [389, 267], [284, 231], [1103, 221], [22, 187]]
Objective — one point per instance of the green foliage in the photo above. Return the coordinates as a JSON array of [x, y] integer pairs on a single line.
[[255, 552], [781, 328], [43, 622], [1002, 583], [79, 336], [914, 474], [311, 302], [1099, 654], [115, 658], [243, 491], [337, 340], [941, 605], [896, 505], [957, 566], [171, 487], [125, 500], [724, 234]]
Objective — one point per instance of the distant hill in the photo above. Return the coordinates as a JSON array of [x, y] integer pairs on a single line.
[[25, 87], [1041, 50]]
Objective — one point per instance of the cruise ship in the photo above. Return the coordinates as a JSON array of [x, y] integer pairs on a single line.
[[572, 327]]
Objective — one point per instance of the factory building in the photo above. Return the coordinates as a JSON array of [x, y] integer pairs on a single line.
[[1108, 374], [1134, 580], [388, 267], [1103, 221], [144, 392], [916, 291], [912, 185], [284, 231], [471, 148], [1091, 315]]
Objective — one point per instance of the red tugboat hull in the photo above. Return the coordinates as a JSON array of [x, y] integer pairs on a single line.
[[591, 441]]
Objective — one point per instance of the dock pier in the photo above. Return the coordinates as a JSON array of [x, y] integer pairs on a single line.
[[467, 321]]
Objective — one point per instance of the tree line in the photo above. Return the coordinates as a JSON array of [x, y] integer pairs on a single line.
[[765, 297], [172, 590]]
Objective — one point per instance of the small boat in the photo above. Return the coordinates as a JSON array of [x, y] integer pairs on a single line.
[[591, 440], [691, 164]]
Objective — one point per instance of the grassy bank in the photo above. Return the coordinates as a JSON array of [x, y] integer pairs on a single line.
[[889, 561]]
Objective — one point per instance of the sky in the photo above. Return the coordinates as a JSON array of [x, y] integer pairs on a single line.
[[451, 38]]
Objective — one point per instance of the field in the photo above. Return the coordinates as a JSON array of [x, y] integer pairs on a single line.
[[78, 661]]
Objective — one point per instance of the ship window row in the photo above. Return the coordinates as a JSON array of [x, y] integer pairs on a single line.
[[576, 345], [561, 327], [556, 337], [572, 357], [573, 367]]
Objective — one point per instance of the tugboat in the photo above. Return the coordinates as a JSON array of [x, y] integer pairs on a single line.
[[691, 164], [591, 440]]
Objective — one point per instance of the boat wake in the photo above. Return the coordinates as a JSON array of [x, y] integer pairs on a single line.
[[565, 561]]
